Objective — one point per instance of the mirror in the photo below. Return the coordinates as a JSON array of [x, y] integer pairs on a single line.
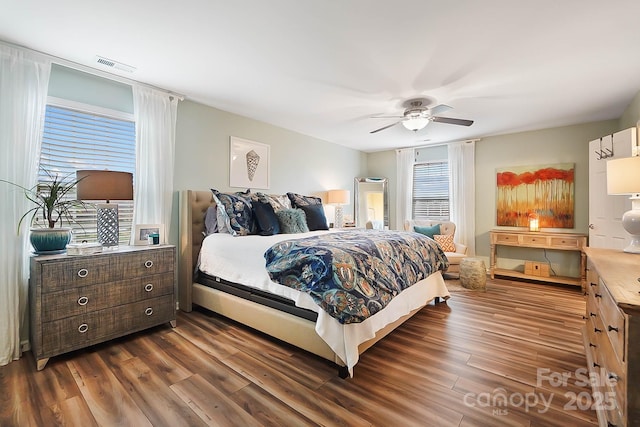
[[371, 203]]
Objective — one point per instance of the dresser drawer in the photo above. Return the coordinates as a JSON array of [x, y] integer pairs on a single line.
[[76, 301], [70, 333], [58, 275], [565, 243], [533, 241], [143, 263], [506, 239], [613, 322]]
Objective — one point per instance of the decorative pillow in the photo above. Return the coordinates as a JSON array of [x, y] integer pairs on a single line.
[[298, 200], [316, 220], [292, 221], [445, 241], [427, 231], [279, 201], [266, 219], [237, 208], [211, 220]]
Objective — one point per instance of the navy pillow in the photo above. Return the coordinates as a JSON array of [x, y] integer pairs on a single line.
[[315, 217], [298, 200], [428, 231], [266, 218]]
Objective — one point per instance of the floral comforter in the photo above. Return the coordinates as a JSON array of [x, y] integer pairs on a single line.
[[354, 274]]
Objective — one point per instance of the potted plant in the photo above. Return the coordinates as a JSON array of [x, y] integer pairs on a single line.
[[53, 206]]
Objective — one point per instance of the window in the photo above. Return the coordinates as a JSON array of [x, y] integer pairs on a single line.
[[431, 190], [86, 137]]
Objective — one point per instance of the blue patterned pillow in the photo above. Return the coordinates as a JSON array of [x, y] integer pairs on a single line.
[[235, 212], [292, 221], [298, 200]]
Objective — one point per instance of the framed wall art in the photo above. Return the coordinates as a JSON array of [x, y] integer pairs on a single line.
[[249, 164], [545, 192]]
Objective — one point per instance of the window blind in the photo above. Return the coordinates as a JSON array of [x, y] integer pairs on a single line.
[[431, 190], [75, 140]]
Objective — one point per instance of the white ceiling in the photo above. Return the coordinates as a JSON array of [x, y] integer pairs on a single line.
[[324, 67]]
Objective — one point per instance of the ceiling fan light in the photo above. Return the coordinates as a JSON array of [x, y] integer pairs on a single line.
[[415, 123]]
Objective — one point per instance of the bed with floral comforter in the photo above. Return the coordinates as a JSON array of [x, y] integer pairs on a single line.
[[353, 275]]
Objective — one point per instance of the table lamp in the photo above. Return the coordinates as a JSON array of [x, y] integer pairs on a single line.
[[623, 177], [338, 198], [105, 185]]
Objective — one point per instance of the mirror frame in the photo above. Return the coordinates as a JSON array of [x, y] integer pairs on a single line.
[[385, 198]]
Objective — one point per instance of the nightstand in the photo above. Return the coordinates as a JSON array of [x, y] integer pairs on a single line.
[[78, 301]]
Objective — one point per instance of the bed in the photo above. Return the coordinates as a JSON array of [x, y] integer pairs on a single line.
[[327, 338]]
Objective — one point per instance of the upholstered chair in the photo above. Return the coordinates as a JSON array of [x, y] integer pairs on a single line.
[[446, 228]]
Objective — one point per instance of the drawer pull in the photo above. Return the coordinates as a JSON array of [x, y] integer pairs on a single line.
[[610, 424], [83, 301], [613, 376], [611, 328], [148, 287], [592, 345], [148, 263], [83, 272], [148, 311], [597, 330], [593, 284], [593, 315], [595, 365], [83, 328], [598, 295]]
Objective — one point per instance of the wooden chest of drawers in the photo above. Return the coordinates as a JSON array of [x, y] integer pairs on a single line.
[[612, 335], [77, 301]]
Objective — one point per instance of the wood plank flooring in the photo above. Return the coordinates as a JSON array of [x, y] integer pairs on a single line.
[[482, 359]]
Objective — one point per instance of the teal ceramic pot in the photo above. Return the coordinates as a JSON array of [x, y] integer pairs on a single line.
[[50, 240]]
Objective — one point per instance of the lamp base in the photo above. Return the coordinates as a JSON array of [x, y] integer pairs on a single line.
[[108, 227], [338, 221], [631, 224]]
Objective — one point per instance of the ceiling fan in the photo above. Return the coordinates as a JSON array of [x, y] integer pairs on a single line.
[[417, 115]]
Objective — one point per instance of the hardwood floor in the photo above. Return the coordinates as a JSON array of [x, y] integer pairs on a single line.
[[481, 359]]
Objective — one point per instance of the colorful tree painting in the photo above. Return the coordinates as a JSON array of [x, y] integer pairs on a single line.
[[546, 191]]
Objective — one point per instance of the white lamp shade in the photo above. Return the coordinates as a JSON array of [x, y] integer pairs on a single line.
[[623, 176], [338, 197]]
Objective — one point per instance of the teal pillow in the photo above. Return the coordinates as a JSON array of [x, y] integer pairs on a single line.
[[428, 231], [292, 221]]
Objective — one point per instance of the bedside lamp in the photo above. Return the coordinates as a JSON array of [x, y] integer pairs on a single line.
[[105, 185], [623, 177], [338, 198]]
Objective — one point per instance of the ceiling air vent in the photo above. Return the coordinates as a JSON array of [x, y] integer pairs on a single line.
[[110, 63]]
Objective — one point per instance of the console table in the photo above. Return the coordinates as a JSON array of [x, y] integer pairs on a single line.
[[541, 240]]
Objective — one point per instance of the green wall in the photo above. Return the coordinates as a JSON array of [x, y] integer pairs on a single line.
[[299, 163]]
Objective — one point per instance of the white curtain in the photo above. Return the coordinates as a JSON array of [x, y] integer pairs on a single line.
[[24, 80], [155, 114], [405, 159], [462, 192]]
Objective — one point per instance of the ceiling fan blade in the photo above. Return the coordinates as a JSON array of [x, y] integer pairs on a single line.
[[385, 127], [439, 109], [387, 117], [451, 121]]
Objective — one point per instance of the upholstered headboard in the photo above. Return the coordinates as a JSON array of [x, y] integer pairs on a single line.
[[193, 206]]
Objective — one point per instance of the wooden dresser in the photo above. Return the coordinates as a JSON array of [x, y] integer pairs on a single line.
[[540, 240], [612, 335], [77, 301]]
